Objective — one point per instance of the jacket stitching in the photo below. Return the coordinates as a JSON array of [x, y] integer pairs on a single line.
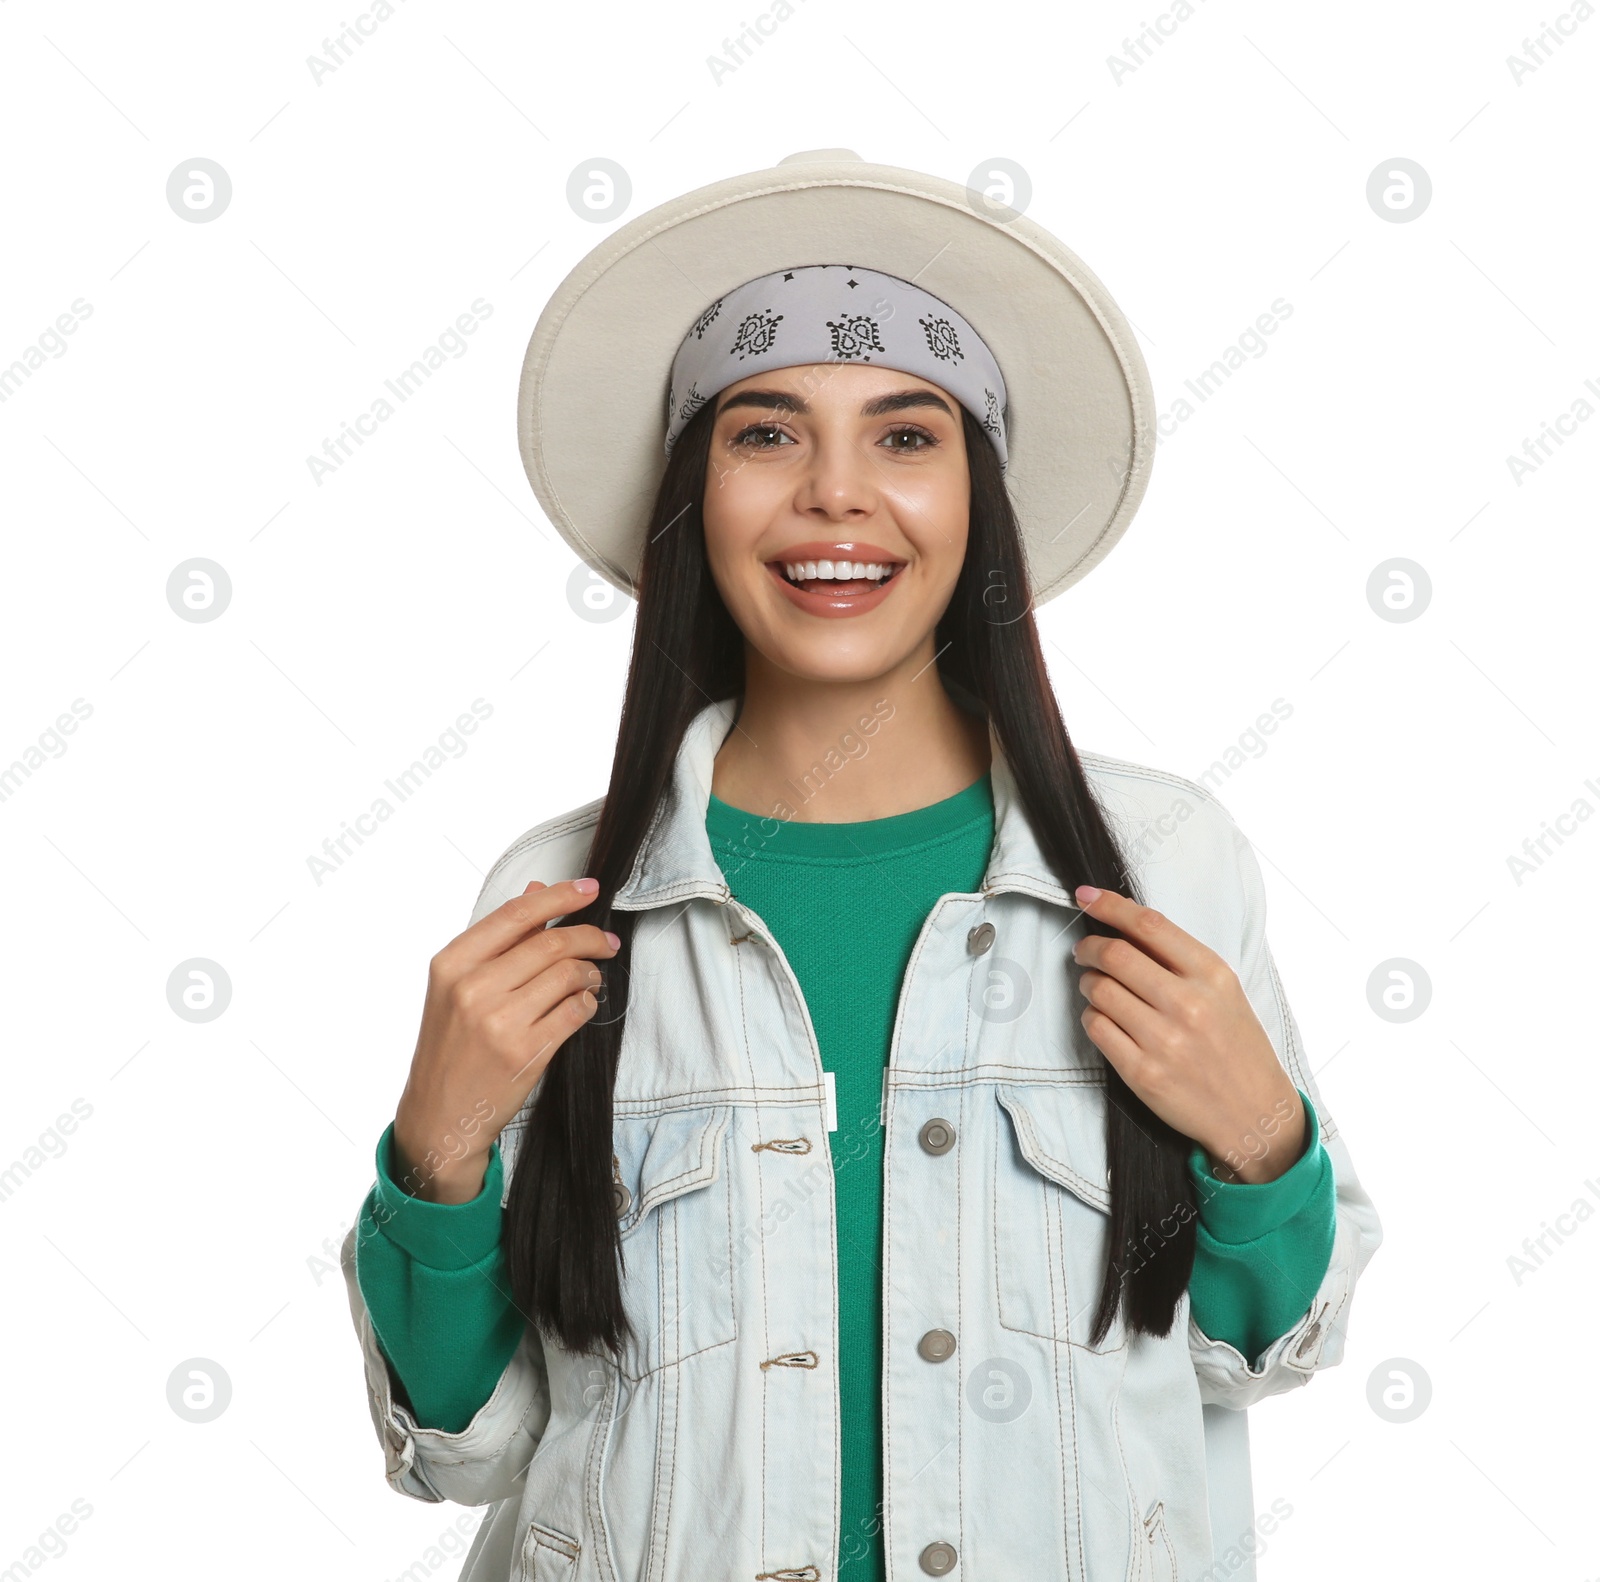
[[766, 1315], [1326, 1122], [664, 1469], [645, 899], [1135, 1523], [558, 1543], [810, 1093], [699, 1351], [890, 1131], [928, 928], [962, 1169], [1328, 1322], [1071, 1482], [542, 835], [700, 1098], [667, 1439], [971, 1076], [697, 1174], [1080, 1183], [1133, 771], [605, 1418]]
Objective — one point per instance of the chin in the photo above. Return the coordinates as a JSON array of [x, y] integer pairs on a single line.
[[835, 662]]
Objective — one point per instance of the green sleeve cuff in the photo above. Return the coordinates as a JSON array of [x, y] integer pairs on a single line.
[[1235, 1212], [439, 1235], [1262, 1251], [434, 1279]]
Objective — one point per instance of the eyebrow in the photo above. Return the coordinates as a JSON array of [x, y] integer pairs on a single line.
[[881, 406]]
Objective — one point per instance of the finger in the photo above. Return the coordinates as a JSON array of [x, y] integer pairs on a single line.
[[1151, 930], [1145, 1025], [560, 980], [515, 919], [546, 1034], [530, 958], [1114, 1043], [1125, 961]]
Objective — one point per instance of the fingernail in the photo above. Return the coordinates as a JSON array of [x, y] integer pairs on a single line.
[[1088, 894], [586, 886], [616, 943]]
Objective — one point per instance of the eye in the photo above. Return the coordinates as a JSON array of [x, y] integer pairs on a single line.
[[910, 431], [759, 436]]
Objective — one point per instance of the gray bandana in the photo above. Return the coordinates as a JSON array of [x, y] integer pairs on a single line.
[[833, 313]]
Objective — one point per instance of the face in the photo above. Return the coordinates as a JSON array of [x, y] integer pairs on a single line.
[[833, 468]]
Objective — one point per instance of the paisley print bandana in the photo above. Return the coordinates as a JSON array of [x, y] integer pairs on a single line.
[[835, 313]]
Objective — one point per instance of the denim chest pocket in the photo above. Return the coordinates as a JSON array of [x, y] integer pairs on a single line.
[[548, 1555], [672, 1190], [1052, 1212]]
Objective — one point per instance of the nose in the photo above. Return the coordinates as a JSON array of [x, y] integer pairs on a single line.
[[838, 482]]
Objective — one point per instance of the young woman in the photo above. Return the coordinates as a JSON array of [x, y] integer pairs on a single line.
[[871, 1140]]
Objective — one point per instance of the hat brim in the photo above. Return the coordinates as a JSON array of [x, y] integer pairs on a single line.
[[591, 409]]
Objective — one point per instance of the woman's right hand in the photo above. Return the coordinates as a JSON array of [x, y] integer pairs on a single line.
[[503, 996]]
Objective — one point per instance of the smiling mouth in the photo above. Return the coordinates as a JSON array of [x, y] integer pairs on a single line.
[[836, 578]]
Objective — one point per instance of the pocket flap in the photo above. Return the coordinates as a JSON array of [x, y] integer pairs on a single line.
[[665, 1155], [1061, 1132]]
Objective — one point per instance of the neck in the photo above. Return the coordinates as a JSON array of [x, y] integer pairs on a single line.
[[832, 752]]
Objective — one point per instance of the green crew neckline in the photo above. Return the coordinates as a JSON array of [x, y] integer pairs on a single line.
[[728, 825]]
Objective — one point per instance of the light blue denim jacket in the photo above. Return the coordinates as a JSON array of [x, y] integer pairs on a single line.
[[713, 1451]]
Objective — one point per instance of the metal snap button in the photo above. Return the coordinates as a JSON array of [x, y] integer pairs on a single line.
[[621, 1197], [937, 1560], [937, 1136], [980, 938], [938, 1345]]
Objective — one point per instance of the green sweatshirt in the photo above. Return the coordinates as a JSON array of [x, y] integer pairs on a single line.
[[845, 903]]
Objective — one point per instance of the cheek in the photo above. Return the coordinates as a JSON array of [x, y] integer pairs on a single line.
[[937, 528], [735, 511]]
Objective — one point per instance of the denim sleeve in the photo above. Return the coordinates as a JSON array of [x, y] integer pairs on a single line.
[[1261, 1251], [433, 1276]]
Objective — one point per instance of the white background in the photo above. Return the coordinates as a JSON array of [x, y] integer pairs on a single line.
[[190, 1215]]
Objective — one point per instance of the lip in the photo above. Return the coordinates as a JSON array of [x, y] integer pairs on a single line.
[[834, 605]]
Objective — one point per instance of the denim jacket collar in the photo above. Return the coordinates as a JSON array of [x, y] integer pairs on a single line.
[[675, 862]]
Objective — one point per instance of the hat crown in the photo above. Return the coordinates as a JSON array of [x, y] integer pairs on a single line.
[[811, 156]]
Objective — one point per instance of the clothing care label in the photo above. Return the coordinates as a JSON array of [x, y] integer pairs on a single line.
[[833, 1108]]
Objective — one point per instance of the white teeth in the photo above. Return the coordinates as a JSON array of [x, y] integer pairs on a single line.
[[834, 570]]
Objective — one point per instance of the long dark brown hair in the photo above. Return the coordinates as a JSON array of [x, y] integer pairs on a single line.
[[561, 1231]]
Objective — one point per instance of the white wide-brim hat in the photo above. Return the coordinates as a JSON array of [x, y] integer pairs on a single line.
[[591, 410]]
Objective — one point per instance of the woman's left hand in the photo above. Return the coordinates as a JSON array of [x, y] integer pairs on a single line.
[[1172, 1017]]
